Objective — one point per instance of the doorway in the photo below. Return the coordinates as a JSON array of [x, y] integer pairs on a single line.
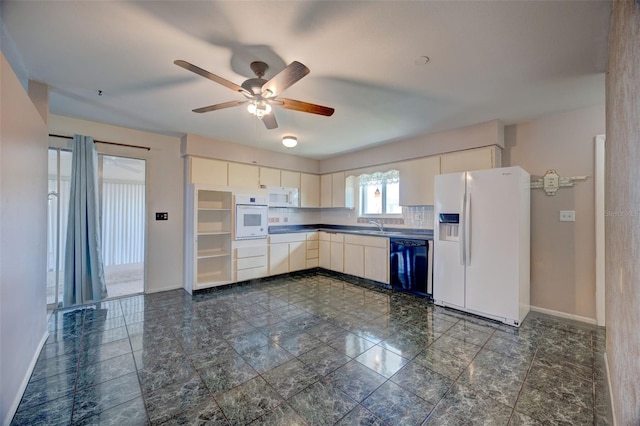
[[122, 183], [122, 205]]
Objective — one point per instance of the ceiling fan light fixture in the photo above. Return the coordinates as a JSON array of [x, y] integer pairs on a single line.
[[259, 108], [289, 141]]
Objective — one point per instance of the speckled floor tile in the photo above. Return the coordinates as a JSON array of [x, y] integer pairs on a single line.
[[423, 382], [356, 380], [360, 416], [283, 414], [247, 402], [397, 406], [266, 357], [382, 361], [321, 403], [224, 373], [299, 343], [463, 402], [290, 378], [324, 359], [165, 403], [205, 413], [130, 413], [181, 348], [458, 348], [548, 408], [52, 413], [94, 400]]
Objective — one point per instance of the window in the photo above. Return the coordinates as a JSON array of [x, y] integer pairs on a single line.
[[380, 194]]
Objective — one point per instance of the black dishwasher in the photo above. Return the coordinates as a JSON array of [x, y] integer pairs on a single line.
[[410, 265]]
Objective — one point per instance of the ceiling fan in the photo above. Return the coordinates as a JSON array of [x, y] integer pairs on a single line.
[[262, 94]]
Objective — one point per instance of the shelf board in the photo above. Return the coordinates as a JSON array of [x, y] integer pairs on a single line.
[[203, 254], [212, 279], [214, 233]]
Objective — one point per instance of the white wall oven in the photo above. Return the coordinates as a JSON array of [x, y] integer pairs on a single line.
[[251, 217]]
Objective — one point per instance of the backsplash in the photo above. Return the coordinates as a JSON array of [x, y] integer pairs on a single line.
[[414, 217]]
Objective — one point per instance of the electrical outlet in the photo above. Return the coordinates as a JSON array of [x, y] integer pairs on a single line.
[[162, 216], [567, 215]]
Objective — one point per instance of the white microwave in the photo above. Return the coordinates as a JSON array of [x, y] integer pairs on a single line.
[[283, 197], [251, 217]]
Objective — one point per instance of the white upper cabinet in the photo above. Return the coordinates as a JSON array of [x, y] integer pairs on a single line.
[[244, 175], [269, 177], [290, 179], [416, 181], [338, 189], [325, 190], [472, 159], [207, 171], [309, 190]]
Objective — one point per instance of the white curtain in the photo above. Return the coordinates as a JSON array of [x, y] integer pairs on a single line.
[[83, 268], [123, 223]]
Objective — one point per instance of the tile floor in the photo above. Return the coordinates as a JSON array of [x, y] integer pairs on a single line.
[[312, 349]]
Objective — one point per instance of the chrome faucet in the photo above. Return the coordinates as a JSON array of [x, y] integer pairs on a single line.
[[380, 225]]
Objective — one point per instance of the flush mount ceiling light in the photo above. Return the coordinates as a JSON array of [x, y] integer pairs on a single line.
[[289, 141]]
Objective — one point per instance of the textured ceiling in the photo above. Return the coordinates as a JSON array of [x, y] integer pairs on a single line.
[[507, 60]]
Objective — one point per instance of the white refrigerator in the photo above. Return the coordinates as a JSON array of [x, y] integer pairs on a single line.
[[482, 243]]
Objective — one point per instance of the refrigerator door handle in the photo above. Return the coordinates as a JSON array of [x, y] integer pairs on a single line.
[[467, 234], [461, 231]]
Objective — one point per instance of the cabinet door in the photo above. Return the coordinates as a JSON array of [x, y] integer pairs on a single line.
[[376, 264], [309, 190], [337, 257], [471, 159], [278, 258], [269, 177], [354, 260], [244, 175], [208, 172], [324, 254], [290, 179], [337, 189], [416, 181], [297, 256], [326, 185]]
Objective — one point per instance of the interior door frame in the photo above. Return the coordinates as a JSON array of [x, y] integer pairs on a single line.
[[599, 172]]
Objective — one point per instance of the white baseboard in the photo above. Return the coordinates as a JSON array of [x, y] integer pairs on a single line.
[[613, 411], [591, 321], [25, 381]]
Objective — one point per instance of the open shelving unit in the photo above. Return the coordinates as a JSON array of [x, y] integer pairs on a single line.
[[207, 238]]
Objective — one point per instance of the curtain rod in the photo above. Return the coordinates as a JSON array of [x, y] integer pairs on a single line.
[[104, 142]]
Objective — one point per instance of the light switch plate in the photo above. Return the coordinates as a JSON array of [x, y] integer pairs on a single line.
[[567, 215]]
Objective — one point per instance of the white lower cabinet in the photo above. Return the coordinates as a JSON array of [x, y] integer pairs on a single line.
[[324, 250], [367, 257], [287, 253], [250, 261], [312, 250], [337, 253]]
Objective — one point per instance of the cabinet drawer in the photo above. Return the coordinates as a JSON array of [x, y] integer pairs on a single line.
[[312, 236], [337, 238], [243, 252], [312, 254], [312, 245], [251, 262], [364, 240], [250, 274], [312, 263], [287, 238]]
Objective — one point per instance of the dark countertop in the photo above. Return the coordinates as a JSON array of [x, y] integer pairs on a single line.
[[418, 234]]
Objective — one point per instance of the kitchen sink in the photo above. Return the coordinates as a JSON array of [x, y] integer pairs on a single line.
[[372, 232]]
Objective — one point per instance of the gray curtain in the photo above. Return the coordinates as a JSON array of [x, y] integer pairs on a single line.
[[83, 268]]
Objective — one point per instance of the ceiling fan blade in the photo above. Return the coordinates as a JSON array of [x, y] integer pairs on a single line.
[[269, 121], [220, 106], [284, 79], [206, 74], [303, 106]]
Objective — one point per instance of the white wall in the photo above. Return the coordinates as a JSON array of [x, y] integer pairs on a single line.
[[23, 239], [165, 188], [562, 253]]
